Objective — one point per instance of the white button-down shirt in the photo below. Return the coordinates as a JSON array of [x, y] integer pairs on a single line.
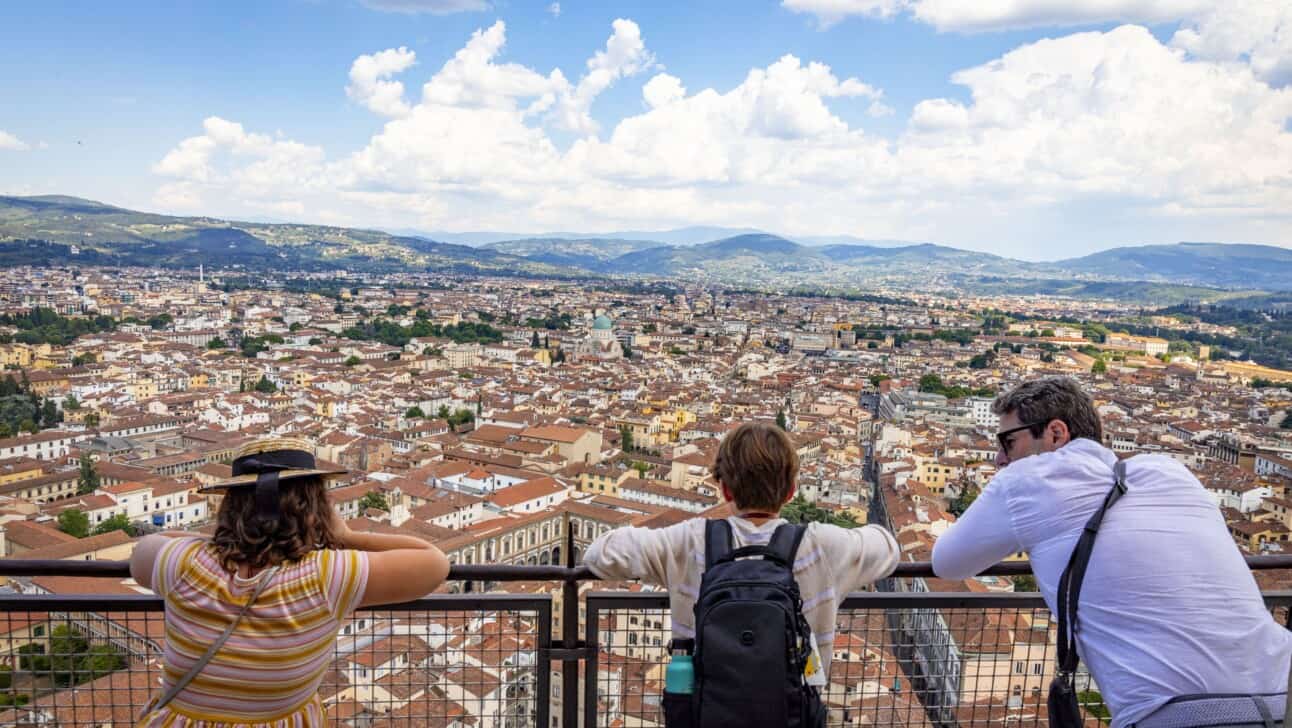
[[1168, 606]]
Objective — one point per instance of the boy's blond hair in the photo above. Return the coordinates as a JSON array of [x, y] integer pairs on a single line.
[[758, 464]]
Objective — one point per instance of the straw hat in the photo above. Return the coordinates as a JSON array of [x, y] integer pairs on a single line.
[[272, 460]]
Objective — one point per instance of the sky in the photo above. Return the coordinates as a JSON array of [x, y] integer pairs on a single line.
[[1037, 129]]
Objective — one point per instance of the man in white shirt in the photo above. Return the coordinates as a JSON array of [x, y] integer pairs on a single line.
[[1168, 606]]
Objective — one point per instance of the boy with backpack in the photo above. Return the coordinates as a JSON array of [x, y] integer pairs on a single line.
[[762, 628]]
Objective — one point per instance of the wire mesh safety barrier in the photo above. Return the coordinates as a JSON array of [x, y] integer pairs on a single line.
[[438, 661], [548, 657], [896, 659]]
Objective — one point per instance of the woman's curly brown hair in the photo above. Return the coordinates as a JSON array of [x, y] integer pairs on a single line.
[[304, 524]]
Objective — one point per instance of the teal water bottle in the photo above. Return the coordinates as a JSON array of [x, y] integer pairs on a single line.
[[679, 678]]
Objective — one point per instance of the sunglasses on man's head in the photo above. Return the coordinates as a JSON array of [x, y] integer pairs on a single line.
[[1003, 436]]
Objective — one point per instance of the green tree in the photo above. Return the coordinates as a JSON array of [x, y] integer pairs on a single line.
[[353, 361], [931, 383], [67, 646], [443, 412], [800, 510], [99, 661], [875, 379], [1099, 367], [92, 419], [50, 414], [264, 386], [74, 522], [533, 341], [81, 360], [253, 345], [6, 677], [71, 404], [87, 481], [461, 417], [118, 522], [1093, 702], [626, 438], [968, 494], [780, 420], [560, 356], [161, 321], [373, 499], [413, 412], [1024, 583], [216, 343], [1286, 424], [641, 468], [31, 658], [28, 425]]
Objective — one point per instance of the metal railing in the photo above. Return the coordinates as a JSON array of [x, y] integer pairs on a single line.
[[481, 660]]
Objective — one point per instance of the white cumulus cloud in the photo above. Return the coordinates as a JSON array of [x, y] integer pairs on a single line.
[[1256, 31], [554, 9], [1118, 117], [12, 143], [370, 84], [625, 54], [973, 16]]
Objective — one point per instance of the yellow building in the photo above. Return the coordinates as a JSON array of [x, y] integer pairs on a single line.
[[1247, 371], [935, 474], [16, 355], [604, 480]]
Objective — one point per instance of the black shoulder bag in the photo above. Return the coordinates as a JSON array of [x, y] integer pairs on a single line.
[[1064, 710]]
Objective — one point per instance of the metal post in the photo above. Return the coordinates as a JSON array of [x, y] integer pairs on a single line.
[[569, 637]]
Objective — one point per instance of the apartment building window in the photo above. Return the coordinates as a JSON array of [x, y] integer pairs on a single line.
[[1020, 668], [1037, 668]]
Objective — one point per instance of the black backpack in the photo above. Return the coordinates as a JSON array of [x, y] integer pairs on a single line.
[[752, 641]]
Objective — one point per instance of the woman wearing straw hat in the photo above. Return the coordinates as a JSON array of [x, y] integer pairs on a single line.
[[252, 614]]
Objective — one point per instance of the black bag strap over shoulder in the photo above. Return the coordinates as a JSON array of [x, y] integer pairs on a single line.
[[785, 541], [1070, 583], [782, 546], [717, 541]]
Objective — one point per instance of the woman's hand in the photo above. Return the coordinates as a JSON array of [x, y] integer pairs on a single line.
[[340, 530]]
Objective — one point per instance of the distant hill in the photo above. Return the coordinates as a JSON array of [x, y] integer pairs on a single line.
[[53, 230], [56, 229], [588, 253], [1228, 265], [679, 236]]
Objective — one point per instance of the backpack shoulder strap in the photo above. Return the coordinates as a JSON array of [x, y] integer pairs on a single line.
[[717, 541], [786, 539]]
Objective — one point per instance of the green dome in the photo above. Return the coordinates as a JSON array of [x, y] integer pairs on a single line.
[[602, 323]]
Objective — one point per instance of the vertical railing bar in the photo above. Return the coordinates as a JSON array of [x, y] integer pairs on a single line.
[[544, 666], [592, 638], [569, 637]]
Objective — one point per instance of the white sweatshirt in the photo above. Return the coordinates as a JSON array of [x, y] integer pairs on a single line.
[[831, 562]]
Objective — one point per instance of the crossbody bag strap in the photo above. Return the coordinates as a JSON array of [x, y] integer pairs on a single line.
[[216, 645], [1075, 573]]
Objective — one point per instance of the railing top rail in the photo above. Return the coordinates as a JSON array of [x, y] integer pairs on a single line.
[[503, 572], [888, 600]]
